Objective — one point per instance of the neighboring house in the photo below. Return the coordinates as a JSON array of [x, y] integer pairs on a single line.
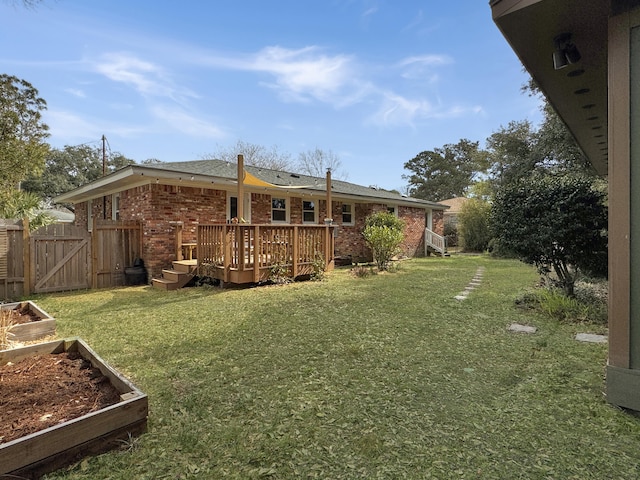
[[585, 57], [167, 197], [60, 214], [455, 205]]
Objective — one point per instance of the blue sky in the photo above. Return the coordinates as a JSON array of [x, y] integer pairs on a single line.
[[376, 82]]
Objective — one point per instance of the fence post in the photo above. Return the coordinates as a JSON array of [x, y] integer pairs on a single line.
[[26, 257], [94, 254]]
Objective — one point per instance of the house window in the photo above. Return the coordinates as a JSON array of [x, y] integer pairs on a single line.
[[308, 212], [278, 209], [348, 216], [115, 206], [393, 209], [232, 207]]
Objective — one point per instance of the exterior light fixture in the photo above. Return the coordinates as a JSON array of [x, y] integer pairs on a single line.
[[565, 53]]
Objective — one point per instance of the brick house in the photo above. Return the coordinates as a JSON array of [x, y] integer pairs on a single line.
[[167, 197]]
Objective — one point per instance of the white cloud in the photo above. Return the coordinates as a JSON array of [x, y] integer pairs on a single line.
[[71, 128], [396, 110], [304, 73], [423, 67], [182, 121], [76, 92], [145, 77]]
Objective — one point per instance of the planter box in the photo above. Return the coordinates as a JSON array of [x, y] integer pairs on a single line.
[[52, 448], [35, 330]]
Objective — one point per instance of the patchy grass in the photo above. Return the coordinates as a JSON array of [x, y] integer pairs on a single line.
[[386, 376]]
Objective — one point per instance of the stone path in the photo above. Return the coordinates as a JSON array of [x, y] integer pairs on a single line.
[[473, 284]]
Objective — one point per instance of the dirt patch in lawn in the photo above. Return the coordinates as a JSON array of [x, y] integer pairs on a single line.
[[45, 390]]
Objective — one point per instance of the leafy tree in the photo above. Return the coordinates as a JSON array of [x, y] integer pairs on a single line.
[[70, 168], [474, 225], [384, 233], [22, 132], [510, 153], [256, 155], [20, 204], [555, 222], [316, 162], [445, 172]]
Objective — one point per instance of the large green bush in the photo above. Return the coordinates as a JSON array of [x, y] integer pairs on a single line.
[[384, 233], [473, 225], [556, 222]]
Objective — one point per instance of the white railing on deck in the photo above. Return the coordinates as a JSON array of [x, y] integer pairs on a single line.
[[435, 241]]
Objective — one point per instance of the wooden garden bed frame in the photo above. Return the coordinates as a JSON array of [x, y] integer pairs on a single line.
[[50, 449], [30, 331]]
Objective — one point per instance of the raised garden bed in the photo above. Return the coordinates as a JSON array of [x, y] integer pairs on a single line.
[[59, 445], [30, 322]]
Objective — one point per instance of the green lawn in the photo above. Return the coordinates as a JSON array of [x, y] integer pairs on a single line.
[[381, 377]]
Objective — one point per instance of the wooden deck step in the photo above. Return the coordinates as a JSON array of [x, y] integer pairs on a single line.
[[176, 277]]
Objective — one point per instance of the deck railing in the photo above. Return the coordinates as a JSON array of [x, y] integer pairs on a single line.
[[435, 241], [246, 253]]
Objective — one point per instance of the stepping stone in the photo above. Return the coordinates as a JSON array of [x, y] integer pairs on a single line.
[[516, 327], [591, 338], [460, 297], [470, 287]]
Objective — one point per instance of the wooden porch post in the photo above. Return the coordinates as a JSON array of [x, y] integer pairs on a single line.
[[240, 200], [179, 255], [329, 206]]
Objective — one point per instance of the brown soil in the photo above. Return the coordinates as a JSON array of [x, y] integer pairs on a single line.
[[43, 391], [23, 315]]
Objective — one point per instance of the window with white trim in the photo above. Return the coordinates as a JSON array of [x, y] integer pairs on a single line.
[[232, 207], [309, 213], [393, 209], [115, 206], [279, 210], [348, 213], [89, 215]]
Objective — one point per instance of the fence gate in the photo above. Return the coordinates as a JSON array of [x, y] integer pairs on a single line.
[[60, 258]]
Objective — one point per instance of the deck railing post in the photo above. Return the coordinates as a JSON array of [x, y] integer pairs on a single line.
[[295, 252], [226, 260], [256, 254]]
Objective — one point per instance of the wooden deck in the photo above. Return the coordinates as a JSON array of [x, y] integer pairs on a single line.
[[246, 253]]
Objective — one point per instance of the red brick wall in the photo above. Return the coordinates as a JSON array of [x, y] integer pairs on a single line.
[[414, 224], [350, 240], [260, 208]]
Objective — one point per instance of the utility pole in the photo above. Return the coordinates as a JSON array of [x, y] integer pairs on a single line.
[[104, 172], [104, 156]]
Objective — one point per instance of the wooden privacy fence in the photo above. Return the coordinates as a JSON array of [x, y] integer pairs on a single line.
[[243, 253], [62, 257]]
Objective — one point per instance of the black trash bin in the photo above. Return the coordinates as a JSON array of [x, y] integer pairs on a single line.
[[136, 275]]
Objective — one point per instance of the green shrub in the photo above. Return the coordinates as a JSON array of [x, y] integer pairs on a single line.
[[319, 268], [588, 305], [384, 233], [473, 226]]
